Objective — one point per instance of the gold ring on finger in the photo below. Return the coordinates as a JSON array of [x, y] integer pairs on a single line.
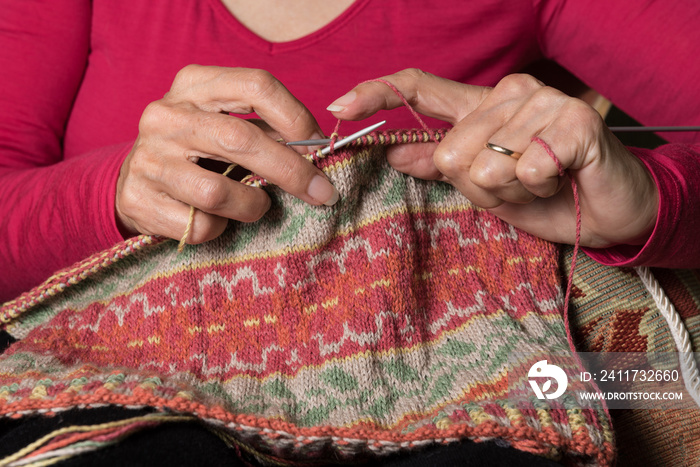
[[502, 150]]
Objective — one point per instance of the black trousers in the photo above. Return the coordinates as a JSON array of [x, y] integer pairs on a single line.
[[190, 443]]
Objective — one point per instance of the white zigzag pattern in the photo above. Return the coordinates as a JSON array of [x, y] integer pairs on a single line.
[[121, 311], [234, 362], [215, 278], [353, 244], [360, 338], [438, 226], [393, 226], [483, 225], [245, 273], [453, 311]]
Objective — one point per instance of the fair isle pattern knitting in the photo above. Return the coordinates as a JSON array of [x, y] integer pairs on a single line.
[[381, 324]]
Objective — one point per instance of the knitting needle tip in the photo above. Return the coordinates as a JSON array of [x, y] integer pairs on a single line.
[[348, 139]]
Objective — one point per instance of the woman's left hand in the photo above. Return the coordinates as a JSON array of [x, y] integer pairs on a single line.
[[618, 196]]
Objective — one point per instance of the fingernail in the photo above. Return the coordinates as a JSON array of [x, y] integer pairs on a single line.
[[340, 103], [321, 190]]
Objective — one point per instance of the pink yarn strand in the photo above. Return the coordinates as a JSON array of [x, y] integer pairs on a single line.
[[577, 246], [577, 241], [334, 136], [406, 104], [416, 115]]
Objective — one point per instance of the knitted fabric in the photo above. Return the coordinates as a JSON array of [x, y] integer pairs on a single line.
[[381, 324]]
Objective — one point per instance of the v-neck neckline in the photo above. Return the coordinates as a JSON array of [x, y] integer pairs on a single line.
[[274, 48]]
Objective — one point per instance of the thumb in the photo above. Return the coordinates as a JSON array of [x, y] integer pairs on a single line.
[[415, 160]]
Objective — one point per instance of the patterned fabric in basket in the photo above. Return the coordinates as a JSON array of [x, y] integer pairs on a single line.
[[613, 312]]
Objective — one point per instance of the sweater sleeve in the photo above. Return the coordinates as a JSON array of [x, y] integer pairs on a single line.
[[643, 57], [52, 212], [673, 242]]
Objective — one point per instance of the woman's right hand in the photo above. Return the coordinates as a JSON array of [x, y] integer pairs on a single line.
[[160, 180]]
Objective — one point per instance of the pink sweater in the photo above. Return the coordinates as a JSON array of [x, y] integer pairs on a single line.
[[77, 74]]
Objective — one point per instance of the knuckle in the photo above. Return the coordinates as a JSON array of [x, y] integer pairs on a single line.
[[260, 83], [449, 163], [413, 73], [547, 98], [152, 116], [411, 78], [162, 125], [536, 180], [165, 118], [186, 75], [583, 115], [518, 83], [212, 194], [142, 163], [529, 175], [484, 177], [235, 137]]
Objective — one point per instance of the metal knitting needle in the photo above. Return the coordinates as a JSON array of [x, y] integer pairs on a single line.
[[640, 129], [309, 142], [321, 142], [371, 128], [338, 144]]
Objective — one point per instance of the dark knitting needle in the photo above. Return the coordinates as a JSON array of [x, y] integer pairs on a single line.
[[641, 129], [369, 129], [339, 143]]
